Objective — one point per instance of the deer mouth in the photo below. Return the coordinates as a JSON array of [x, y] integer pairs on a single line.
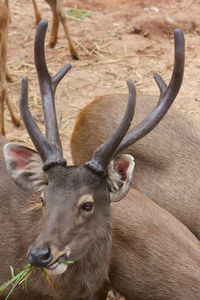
[[58, 267], [54, 265]]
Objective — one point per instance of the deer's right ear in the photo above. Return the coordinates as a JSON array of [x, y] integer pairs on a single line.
[[25, 167]]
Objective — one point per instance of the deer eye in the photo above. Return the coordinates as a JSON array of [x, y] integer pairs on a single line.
[[87, 206]]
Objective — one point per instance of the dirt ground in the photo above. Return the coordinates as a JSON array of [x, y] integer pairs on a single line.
[[116, 39]]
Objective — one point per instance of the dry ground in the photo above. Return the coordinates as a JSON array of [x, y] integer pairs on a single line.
[[121, 39]]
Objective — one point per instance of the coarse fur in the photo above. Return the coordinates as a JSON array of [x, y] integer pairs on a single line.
[[81, 278], [153, 255], [60, 223], [75, 222], [167, 159]]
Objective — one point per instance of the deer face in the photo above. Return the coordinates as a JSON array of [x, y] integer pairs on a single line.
[[75, 214], [75, 204]]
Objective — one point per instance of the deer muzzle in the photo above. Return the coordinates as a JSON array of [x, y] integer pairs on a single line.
[[44, 258], [40, 258]]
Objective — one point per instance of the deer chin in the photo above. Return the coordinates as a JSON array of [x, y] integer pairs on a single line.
[[56, 268]]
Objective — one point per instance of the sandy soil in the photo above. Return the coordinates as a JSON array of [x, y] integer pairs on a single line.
[[120, 39]]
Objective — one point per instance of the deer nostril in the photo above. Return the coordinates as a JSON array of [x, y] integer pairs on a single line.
[[40, 258]]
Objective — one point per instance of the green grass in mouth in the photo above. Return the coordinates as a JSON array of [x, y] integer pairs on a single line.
[[21, 278]]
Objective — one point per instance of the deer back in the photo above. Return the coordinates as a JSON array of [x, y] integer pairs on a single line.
[[167, 165]]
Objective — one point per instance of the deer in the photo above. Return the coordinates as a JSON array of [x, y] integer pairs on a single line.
[[4, 73], [58, 17], [75, 212], [168, 166]]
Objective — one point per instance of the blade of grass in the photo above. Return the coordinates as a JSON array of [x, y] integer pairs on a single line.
[[25, 285], [79, 13], [14, 286], [16, 279], [5, 285], [66, 262], [12, 271], [49, 281]]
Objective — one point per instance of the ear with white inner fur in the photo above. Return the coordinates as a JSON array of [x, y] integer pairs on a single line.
[[25, 167], [120, 173]]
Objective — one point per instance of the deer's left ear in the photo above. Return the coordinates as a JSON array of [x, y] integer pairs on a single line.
[[120, 173]]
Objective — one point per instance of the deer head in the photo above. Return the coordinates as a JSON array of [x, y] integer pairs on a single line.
[[75, 199]]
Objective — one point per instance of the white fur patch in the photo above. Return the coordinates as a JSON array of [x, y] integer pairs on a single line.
[[58, 267], [114, 295], [118, 186], [61, 268], [114, 178]]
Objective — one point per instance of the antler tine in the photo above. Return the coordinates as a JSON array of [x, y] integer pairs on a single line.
[[47, 85], [161, 84], [59, 76], [29, 123], [104, 153], [165, 100]]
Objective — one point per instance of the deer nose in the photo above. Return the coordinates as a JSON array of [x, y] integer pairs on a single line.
[[40, 258]]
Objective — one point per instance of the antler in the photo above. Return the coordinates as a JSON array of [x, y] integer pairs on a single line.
[[49, 147], [104, 153], [167, 96], [161, 84]]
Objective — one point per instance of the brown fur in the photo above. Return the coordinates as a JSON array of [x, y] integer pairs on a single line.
[[58, 16], [167, 160], [4, 74], [21, 224], [153, 255]]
